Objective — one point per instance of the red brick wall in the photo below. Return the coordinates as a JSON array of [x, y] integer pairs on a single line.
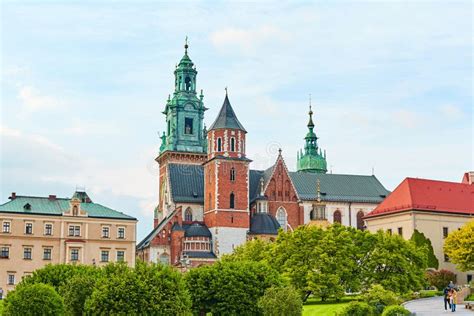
[[280, 193], [239, 187], [214, 135], [227, 219], [176, 245]]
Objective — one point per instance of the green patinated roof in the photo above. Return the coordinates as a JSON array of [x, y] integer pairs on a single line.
[[339, 187], [55, 207], [227, 118]]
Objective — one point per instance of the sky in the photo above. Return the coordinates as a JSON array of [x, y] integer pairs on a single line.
[[83, 85]]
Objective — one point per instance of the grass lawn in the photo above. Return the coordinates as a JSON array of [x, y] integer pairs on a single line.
[[314, 306]]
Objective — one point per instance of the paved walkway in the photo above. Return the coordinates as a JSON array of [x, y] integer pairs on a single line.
[[435, 306]]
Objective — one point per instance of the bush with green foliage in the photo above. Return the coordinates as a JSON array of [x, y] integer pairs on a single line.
[[76, 291], [395, 310], [423, 242], [281, 301], [148, 289], [458, 247], [230, 287], [357, 309], [57, 275], [33, 299], [440, 278], [379, 298]]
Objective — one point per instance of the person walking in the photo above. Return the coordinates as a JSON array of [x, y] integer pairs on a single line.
[[454, 300], [446, 299]]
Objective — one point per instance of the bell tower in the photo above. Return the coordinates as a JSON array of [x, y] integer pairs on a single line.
[[226, 182], [184, 139], [184, 111]]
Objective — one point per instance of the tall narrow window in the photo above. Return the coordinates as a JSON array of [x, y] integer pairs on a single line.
[[400, 231], [48, 229], [28, 228], [47, 254], [232, 144], [121, 233], [188, 215], [27, 253], [104, 256], [232, 200], [105, 232], [360, 220], [445, 232], [74, 254], [187, 83], [188, 125], [281, 218], [5, 253], [219, 144], [232, 174], [337, 217], [169, 128], [120, 255], [6, 227], [75, 210]]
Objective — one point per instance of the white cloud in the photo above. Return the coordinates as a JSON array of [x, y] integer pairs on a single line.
[[247, 40], [406, 118], [33, 100]]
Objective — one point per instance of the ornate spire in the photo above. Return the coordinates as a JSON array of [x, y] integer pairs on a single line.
[[312, 159], [310, 123], [186, 45]]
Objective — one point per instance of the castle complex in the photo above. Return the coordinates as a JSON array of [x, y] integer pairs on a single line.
[[210, 200]]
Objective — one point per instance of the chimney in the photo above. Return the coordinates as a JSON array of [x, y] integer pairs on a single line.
[[13, 196], [52, 197]]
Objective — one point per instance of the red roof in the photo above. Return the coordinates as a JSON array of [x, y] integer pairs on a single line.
[[428, 195]]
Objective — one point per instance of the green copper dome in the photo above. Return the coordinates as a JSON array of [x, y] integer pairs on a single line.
[[311, 159]]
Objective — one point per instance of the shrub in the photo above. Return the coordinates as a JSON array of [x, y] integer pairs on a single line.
[[357, 309], [33, 299], [421, 241], [149, 289], [378, 297], [440, 278], [395, 310], [281, 301]]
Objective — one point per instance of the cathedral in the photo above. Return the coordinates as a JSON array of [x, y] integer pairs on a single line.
[[211, 201]]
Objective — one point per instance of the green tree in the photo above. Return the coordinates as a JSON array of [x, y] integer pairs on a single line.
[[294, 255], [440, 279], [379, 298], [281, 301], [421, 241], [230, 288], [57, 275], [395, 263], [76, 291], [253, 250], [149, 289], [33, 299], [459, 246]]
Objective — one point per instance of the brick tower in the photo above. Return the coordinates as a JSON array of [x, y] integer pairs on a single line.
[[184, 140], [226, 182]]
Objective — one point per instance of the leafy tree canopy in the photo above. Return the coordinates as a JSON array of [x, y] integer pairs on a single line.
[[33, 299], [459, 246], [281, 301], [420, 240]]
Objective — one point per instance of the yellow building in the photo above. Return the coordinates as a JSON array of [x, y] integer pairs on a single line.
[[434, 208], [36, 231]]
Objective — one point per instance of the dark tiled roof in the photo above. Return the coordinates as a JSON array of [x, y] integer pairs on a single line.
[[227, 118], [264, 223], [339, 187], [187, 183], [57, 206], [196, 230], [200, 254], [254, 185]]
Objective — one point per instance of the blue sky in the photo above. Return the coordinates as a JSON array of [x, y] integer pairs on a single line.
[[83, 85]]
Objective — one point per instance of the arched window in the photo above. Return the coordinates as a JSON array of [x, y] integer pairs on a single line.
[[232, 144], [281, 218], [232, 200], [188, 215], [337, 217], [165, 258], [232, 174], [360, 221], [187, 83], [75, 210], [219, 144]]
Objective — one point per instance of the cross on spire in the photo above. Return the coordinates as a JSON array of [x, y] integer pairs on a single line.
[[186, 45], [225, 91]]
